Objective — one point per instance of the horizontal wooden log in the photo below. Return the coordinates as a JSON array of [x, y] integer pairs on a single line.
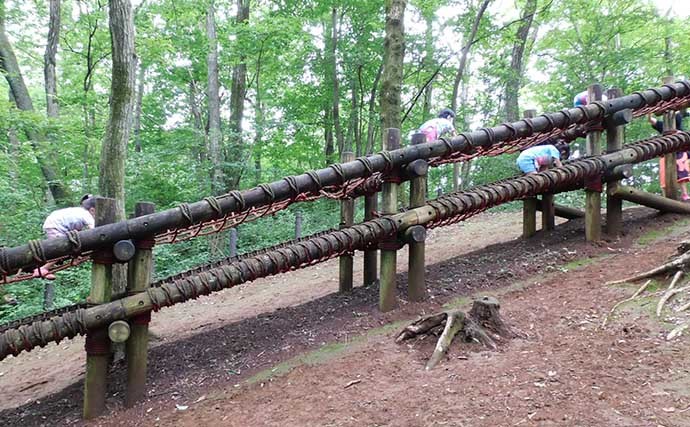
[[329, 245], [651, 200], [565, 211], [21, 257]]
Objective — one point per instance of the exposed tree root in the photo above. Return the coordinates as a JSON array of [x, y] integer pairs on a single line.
[[635, 295], [483, 324], [677, 266], [680, 263]]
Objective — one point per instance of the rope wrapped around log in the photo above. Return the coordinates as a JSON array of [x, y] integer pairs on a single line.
[[484, 141], [449, 208]]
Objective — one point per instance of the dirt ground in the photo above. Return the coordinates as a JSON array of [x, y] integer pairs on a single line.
[[288, 350]]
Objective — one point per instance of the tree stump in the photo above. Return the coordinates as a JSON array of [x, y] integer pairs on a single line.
[[483, 324]]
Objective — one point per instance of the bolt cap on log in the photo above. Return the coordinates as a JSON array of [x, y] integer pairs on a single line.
[[118, 331], [124, 250]]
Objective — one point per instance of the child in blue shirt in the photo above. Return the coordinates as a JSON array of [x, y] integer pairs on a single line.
[[541, 157]]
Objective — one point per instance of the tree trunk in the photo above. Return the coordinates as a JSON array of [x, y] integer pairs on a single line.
[[428, 63], [214, 132], [514, 81], [332, 35], [372, 122], [114, 149], [237, 95], [199, 148], [49, 59], [393, 55], [259, 121], [469, 40], [328, 134], [137, 108], [13, 75]]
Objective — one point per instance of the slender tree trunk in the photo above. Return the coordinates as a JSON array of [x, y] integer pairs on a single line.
[[469, 40], [111, 181], [372, 121], [199, 149], [13, 75], [328, 133], [333, 64], [137, 108], [214, 132], [260, 121], [235, 152], [428, 63], [514, 81], [49, 59], [394, 53]]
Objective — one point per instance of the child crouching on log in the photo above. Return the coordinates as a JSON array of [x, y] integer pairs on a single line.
[[541, 157]]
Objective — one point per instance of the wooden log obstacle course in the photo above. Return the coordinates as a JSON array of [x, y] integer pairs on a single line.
[[362, 177]]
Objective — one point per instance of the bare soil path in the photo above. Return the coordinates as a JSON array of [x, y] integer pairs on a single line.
[[289, 351]]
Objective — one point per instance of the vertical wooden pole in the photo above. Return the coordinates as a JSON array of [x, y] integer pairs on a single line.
[[370, 255], [298, 225], [592, 193], [456, 176], [347, 219], [529, 205], [48, 294], [548, 212], [139, 274], [416, 282], [387, 300], [233, 242], [670, 177], [97, 342], [614, 142]]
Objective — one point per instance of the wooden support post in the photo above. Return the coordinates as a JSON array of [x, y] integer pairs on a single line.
[[548, 212], [387, 299], [97, 342], [416, 281], [347, 219], [614, 142], [529, 205], [298, 225], [529, 217], [139, 274], [233, 242], [370, 270], [456, 176], [593, 192], [48, 294], [671, 187]]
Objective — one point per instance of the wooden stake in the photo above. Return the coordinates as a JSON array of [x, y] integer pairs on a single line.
[[347, 219], [387, 300], [614, 142], [371, 255], [529, 205], [416, 281], [97, 342], [593, 196], [138, 279], [548, 212], [671, 187]]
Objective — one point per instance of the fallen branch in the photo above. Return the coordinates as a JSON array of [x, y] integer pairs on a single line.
[[677, 331], [667, 296], [635, 295], [679, 263]]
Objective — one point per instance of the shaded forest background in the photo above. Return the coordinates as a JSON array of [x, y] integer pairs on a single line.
[[230, 94]]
